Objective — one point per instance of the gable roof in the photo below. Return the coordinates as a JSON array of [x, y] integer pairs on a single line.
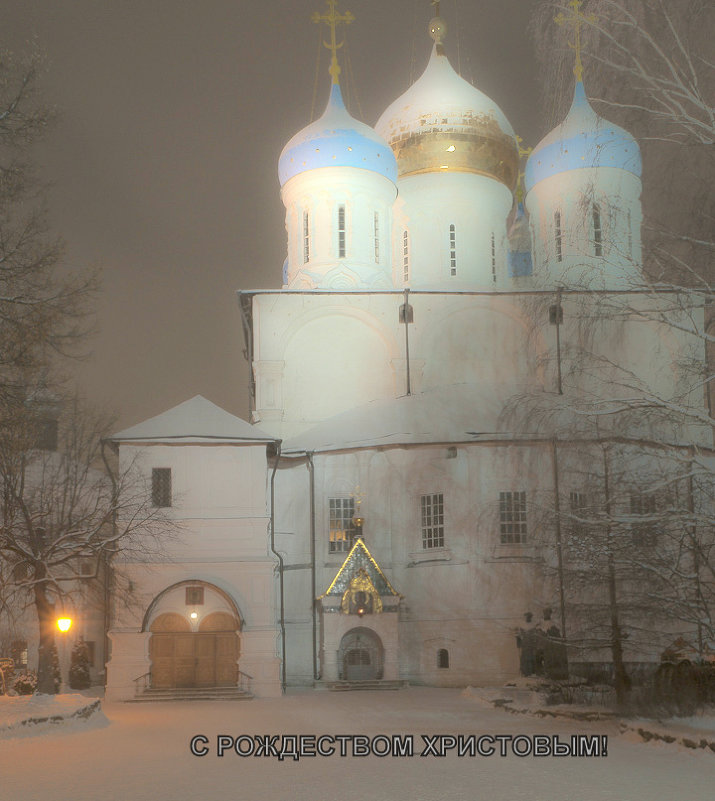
[[194, 420], [359, 558]]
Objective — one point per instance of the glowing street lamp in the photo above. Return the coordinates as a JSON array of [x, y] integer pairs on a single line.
[[64, 624]]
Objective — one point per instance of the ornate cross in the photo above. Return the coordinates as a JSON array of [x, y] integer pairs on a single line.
[[331, 18], [575, 19]]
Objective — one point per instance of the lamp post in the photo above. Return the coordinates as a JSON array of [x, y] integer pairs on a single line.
[[64, 624]]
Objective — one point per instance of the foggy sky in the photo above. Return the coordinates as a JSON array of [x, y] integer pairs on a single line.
[[164, 160]]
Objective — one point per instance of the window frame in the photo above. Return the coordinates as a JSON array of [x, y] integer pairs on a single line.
[[513, 517], [432, 520], [345, 505], [161, 487]]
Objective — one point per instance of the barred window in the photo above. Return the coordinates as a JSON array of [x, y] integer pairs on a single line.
[[644, 534], [342, 528], [494, 258], [341, 232], [306, 237], [558, 236], [578, 505], [405, 256], [432, 507], [443, 658], [376, 236], [161, 486], [597, 231], [452, 250], [512, 517]]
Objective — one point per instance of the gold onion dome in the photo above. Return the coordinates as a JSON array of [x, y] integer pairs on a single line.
[[443, 124]]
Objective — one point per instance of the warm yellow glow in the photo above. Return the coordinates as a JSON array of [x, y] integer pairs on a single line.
[[64, 623], [451, 149], [194, 615]]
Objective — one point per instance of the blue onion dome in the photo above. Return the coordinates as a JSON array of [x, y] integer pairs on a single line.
[[582, 140], [444, 124], [336, 140]]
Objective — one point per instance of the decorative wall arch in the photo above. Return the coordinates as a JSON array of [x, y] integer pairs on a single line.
[[155, 605]]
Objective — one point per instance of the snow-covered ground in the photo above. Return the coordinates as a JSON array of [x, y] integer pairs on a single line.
[[144, 754]]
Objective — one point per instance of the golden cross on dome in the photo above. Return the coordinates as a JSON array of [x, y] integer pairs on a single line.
[[575, 18], [331, 18]]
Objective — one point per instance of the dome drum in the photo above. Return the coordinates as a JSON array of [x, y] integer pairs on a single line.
[[492, 154]]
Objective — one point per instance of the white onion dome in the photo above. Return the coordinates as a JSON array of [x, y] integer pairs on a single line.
[[442, 123], [336, 140], [582, 140]]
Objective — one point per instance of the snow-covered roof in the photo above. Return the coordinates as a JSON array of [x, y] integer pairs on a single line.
[[456, 413], [194, 420]]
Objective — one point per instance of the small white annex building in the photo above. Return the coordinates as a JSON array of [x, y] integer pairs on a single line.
[[383, 522]]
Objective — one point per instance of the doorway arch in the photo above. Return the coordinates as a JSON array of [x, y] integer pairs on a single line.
[[194, 637], [361, 655]]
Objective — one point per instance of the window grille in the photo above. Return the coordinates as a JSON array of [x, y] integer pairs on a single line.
[[512, 517], [161, 486], [558, 236], [443, 658], [341, 232], [405, 257], [306, 237], [376, 235], [597, 232], [432, 507], [342, 528], [578, 506], [452, 250], [644, 534]]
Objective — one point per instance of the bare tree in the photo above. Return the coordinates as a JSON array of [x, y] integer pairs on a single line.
[[65, 512], [43, 305]]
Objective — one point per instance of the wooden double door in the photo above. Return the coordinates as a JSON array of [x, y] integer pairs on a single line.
[[194, 659]]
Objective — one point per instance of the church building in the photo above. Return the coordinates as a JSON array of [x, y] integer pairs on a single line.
[[382, 516]]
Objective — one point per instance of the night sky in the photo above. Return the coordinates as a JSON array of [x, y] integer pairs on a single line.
[[164, 159]]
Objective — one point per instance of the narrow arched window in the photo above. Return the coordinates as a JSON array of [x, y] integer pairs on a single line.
[[494, 258], [630, 234], [341, 232], [306, 237], [405, 256], [558, 236], [452, 250], [443, 658], [376, 236], [597, 232]]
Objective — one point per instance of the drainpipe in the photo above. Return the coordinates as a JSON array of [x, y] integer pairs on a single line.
[[311, 470], [280, 565]]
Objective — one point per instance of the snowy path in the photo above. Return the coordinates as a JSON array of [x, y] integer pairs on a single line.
[[144, 754]]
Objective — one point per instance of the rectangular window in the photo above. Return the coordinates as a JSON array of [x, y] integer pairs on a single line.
[[306, 237], [494, 258], [558, 237], [578, 507], [341, 232], [644, 534], [512, 517], [194, 596], [161, 486], [376, 235], [432, 508], [630, 234], [405, 257], [597, 232], [342, 528], [452, 250]]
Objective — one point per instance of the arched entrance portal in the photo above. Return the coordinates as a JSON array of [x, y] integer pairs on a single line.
[[197, 645], [361, 655]]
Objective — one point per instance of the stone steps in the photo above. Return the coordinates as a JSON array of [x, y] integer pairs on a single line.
[[377, 684], [193, 694]]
